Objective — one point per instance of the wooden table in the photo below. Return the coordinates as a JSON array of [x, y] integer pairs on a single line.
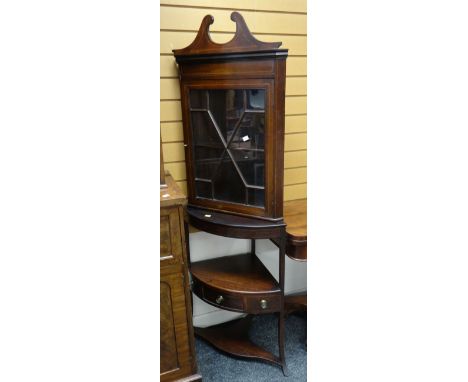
[[295, 217]]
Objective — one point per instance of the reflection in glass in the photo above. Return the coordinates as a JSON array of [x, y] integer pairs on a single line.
[[256, 99]]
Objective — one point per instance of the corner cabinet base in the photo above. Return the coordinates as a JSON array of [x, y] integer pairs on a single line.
[[240, 283], [233, 338]]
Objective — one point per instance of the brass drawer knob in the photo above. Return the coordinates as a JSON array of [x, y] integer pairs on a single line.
[[219, 299], [263, 304]]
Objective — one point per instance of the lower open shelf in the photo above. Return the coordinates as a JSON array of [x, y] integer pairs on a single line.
[[233, 338]]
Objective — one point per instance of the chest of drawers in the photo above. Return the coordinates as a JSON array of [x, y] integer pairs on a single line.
[[177, 359]]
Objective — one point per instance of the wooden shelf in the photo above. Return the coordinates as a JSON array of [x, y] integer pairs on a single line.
[[240, 283], [236, 226], [242, 273], [233, 338]]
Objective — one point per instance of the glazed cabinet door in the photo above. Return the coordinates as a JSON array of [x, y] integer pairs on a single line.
[[228, 131], [175, 361]]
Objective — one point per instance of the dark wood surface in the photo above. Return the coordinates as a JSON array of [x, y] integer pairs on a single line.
[[295, 217], [233, 338], [239, 283], [242, 63], [242, 273], [242, 42], [177, 347], [295, 303], [230, 225], [251, 69]]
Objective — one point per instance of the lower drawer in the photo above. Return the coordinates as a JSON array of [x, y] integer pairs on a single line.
[[223, 300], [245, 303], [263, 304]]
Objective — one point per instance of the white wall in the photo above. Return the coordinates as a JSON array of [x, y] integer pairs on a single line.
[[205, 246]]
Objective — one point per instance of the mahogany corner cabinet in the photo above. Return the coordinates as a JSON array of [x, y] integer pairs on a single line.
[[233, 100]]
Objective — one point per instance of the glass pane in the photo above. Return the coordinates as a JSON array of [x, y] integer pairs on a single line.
[[204, 131], [207, 160], [256, 197], [251, 132], [203, 189], [227, 184], [252, 166], [229, 124], [226, 107], [256, 99]]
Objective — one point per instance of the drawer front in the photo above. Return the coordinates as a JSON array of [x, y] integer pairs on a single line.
[[220, 299], [223, 300], [263, 304], [170, 236], [255, 304]]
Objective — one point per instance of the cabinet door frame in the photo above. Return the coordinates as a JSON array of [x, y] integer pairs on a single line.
[[269, 150]]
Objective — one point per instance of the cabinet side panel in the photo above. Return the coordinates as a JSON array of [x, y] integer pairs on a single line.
[[280, 80]]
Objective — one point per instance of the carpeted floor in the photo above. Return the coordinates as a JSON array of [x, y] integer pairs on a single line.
[[215, 366]]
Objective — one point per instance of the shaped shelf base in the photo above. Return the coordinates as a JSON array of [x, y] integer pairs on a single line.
[[233, 338]]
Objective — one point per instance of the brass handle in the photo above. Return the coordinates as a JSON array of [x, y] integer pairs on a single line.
[[219, 299], [263, 304]]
